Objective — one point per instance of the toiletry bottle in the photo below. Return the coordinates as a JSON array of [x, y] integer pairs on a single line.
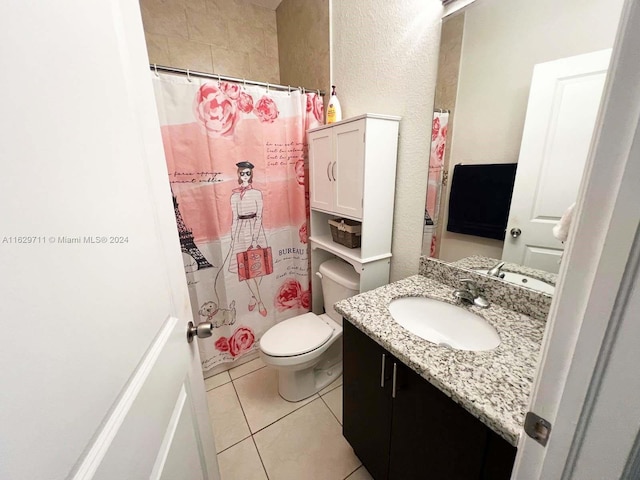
[[334, 112]]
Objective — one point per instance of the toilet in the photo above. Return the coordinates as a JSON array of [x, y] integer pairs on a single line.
[[307, 350]]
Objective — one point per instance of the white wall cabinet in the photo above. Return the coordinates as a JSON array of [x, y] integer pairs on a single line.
[[352, 166]]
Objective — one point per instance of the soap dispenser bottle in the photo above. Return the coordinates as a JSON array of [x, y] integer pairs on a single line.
[[334, 112]]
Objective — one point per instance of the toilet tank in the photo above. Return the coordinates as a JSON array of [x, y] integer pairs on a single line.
[[339, 281]]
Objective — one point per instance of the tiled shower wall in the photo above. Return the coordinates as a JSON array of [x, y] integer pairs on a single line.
[[230, 37], [303, 43]]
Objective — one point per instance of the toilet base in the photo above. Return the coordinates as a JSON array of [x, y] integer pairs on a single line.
[[296, 385]]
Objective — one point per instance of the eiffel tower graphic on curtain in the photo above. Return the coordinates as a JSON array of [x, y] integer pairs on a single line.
[[186, 239]]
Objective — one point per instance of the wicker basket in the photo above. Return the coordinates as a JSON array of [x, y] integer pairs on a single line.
[[346, 232]]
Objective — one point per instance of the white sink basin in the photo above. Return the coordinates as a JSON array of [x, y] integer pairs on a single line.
[[444, 324], [525, 280]]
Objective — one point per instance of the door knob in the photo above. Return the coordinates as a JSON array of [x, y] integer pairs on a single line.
[[202, 330], [515, 232]]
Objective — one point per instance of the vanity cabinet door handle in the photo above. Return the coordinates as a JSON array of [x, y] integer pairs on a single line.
[[333, 171], [395, 375], [384, 358], [328, 167]]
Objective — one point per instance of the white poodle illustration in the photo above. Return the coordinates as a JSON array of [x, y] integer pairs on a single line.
[[227, 316]]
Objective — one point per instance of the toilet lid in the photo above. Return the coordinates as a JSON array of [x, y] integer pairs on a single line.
[[295, 336]]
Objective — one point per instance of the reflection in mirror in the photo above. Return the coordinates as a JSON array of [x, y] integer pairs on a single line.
[[487, 57]]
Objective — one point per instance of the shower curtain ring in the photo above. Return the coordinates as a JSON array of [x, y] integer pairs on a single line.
[[318, 92], [304, 90], [267, 87], [289, 89], [244, 83], [188, 76], [218, 79], [155, 68]]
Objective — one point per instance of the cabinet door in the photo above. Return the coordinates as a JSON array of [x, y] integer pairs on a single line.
[[432, 436], [348, 169], [366, 405], [320, 163]]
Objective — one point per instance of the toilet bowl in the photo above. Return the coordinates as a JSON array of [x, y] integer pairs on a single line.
[[307, 350]]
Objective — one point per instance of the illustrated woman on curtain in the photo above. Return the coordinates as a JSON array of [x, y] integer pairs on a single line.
[[246, 228]]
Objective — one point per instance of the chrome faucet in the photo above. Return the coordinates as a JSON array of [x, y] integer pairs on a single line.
[[471, 293], [495, 271]]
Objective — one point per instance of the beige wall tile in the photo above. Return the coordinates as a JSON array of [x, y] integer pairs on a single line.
[[270, 44], [229, 62], [244, 37], [264, 69], [192, 55], [164, 17], [158, 49], [303, 43], [206, 28]]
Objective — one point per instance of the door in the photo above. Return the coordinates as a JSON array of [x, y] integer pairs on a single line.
[[561, 113], [348, 169], [320, 163], [98, 380]]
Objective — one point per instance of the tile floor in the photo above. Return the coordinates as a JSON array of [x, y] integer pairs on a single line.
[[260, 436]]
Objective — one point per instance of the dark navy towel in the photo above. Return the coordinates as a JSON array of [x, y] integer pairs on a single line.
[[480, 199]]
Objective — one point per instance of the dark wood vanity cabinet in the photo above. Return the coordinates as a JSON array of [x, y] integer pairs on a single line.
[[414, 431]]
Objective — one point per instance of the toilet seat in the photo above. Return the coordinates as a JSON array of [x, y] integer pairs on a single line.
[[296, 336]]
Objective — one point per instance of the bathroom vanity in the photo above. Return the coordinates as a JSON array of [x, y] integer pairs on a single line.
[[407, 428], [413, 409]]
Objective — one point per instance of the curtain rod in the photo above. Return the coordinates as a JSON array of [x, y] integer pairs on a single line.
[[215, 76]]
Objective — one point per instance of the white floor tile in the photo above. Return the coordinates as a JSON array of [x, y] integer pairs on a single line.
[[335, 384], [227, 420], [216, 380], [241, 462], [307, 444], [359, 474], [333, 399], [258, 392], [245, 368]]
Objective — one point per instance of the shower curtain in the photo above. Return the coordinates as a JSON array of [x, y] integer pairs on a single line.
[[434, 182], [237, 163]]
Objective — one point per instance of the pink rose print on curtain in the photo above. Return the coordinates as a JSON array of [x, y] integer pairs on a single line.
[[291, 295], [435, 129], [239, 342], [299, 167], [231, 90], [266, 110], [302, 233], [245, 102], [314, 103], [215, 111], [222, 344]]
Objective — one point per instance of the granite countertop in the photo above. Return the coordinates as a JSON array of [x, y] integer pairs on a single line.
[[494, 385]]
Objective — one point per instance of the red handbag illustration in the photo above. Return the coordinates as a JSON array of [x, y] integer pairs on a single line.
[[255, 262]]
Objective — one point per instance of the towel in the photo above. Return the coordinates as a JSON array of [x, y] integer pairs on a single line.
[[561, 230]]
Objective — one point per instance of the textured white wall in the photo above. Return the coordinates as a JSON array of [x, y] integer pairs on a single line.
[[384, 60]]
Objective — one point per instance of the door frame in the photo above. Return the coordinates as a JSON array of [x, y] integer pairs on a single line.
[[595, 286]]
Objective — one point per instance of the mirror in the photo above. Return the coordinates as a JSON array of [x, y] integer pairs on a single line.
[[487, 57]]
